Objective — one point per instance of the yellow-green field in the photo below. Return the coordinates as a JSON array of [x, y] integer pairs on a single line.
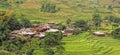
[[68, 9]]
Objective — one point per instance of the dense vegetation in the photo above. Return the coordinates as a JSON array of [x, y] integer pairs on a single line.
[[49, 7]]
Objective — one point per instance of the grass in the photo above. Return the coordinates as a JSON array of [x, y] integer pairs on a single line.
[[77, 45], [114, 43], [68, 9], [82, 45]]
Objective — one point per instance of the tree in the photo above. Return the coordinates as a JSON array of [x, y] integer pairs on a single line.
[[30, 52], [77, 31], [61, 27], [13, 24], [116, 33], [81, 24], [113, 19], [68, 21], [49, 7], [53, 39], [25, 22], [4, 31], [60, 50], [49, 51], [96, 20]]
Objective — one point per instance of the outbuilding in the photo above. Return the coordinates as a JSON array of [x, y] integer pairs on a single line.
[[99, 34], [52, 30]]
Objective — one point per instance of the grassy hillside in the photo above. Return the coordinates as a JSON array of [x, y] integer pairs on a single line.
[[83, 45], [74, 9]]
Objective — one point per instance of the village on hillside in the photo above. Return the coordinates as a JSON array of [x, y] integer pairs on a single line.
[[38, 31]]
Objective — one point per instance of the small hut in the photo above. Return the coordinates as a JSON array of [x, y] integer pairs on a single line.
[[68, 31], [52, 30], [15, 32], [51, 23], [40, 35], [27, 33], [99, 34], [35, 25]]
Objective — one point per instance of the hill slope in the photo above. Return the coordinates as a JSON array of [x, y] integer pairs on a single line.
[[74, 9]]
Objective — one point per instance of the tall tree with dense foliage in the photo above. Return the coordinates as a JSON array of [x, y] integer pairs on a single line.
[[96, 20], [116, 33], [68, 21], [61, 27], [49, 7], [52, 40], [4, 31], [13, 23], [113, 19], [25, 22], [81, 24]]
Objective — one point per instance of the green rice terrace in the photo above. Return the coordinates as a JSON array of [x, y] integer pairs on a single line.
[[59, 27]]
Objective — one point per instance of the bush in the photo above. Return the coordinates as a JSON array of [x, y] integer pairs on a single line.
[[49, 7], [77, 31], [82, 25], [116, 33]]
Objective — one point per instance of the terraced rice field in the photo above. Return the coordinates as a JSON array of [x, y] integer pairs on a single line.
[[83, 45]]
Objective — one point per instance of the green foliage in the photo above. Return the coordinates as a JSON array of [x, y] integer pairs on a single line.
[[13, 23], [52, 39], [96, 20], [116, 33], [30, 52], [68, 21], [77, 31], [82, 25], [4, 31], [49, 7], [13, 45], [60, 50], [19, 1], [25, 22], [113, 19], [4, 3], [61, 27], [48, 51]]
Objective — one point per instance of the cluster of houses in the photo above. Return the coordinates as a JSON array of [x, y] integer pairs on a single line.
[[39, 31]]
